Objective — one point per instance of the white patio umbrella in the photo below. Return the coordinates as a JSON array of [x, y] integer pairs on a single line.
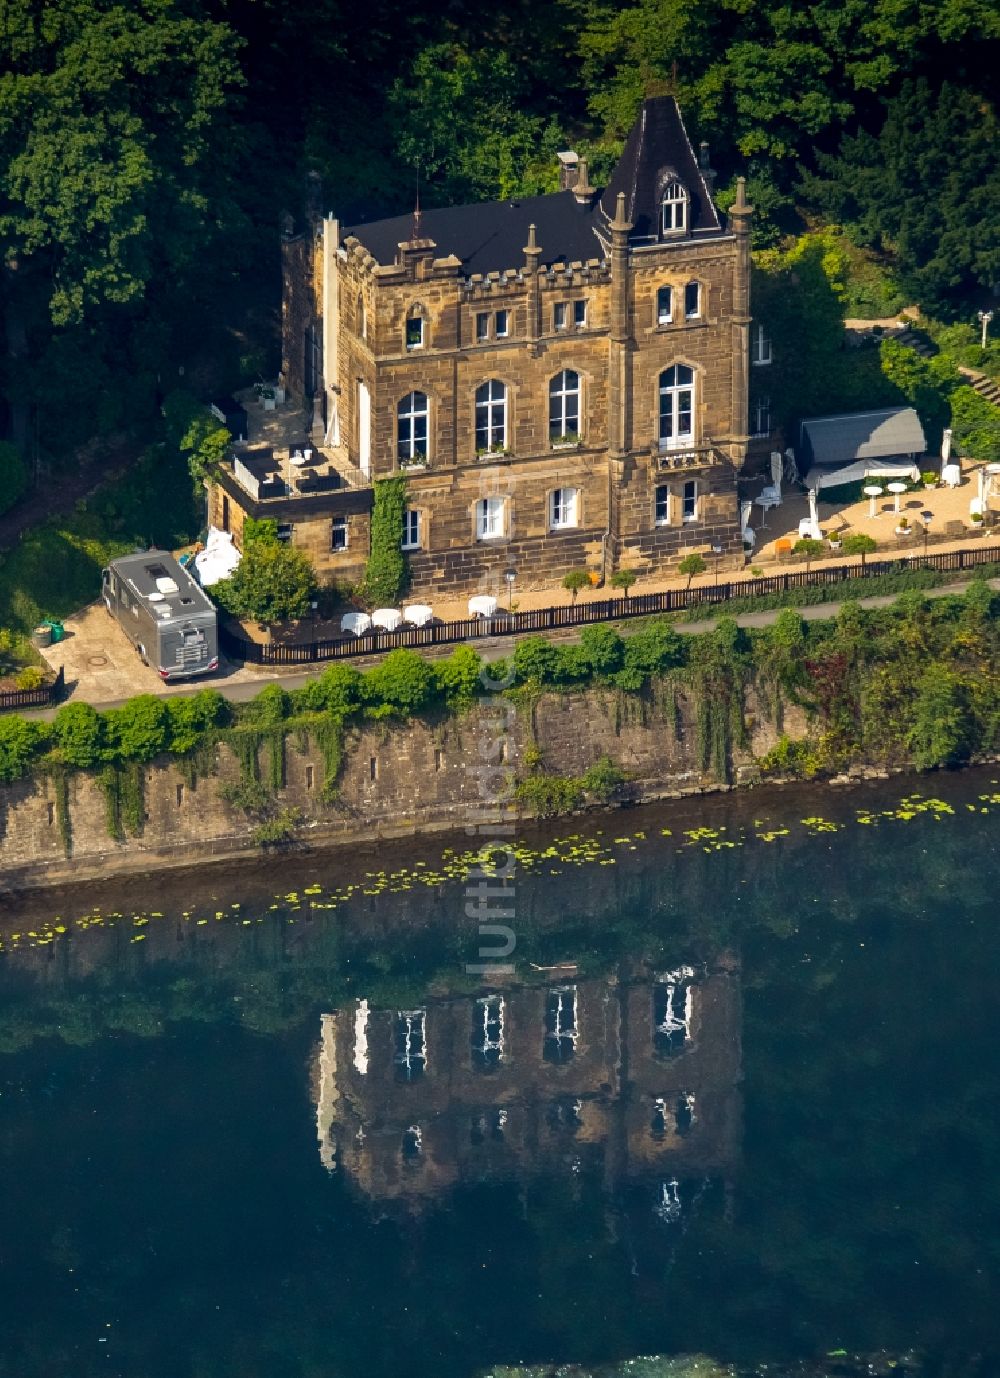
[[946, 445], [777, 467], [814, 530]]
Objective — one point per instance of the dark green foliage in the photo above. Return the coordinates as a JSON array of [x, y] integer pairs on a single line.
[[13, 475], [249, 795], [267, 709], [603, 649], [78, 733], [278, 830], [576, 580], [535, 660], [385, 574], [942, 729], [20, 741], [197, 434], [401, 685], [547, 795], [273, 582], [691, 565], [459, 676], [917, 187], [137, 731], [337, 690], [189, 720], [603, 780], [976, 424]]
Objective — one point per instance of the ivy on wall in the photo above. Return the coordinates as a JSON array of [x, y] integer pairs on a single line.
[[385, 574]]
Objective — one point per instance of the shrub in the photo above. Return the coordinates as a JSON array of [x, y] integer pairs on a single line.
[[400, 685], [188, 719], [546, 795], [20, 741], [137, 731], [859, 543], [337, 690], [603, 779], [458, 676], [267, 709], [264, 530], [941, 730], [535, 660], [13, 475], [650, 652], [272, 583], [31, 677], [603, 649], [623, 579], [77, 730]]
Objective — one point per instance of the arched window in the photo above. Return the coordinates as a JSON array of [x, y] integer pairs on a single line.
[[692, 301], [411, 428], [415, 329], [673, 209], [676, 407], [491, 417], [664, 306], [564, 406]]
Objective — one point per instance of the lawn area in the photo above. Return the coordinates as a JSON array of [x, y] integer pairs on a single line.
[[56, 568]]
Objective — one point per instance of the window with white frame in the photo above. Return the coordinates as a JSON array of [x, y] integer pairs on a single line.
[[488, 1032], [411, 529], [676, 407], [482, 326], [673, 1004], [760, 416], [673, 209], [502, 324], [689, 501], [692, 301], [560, 1024], [338, 533], [560, 315], [661, 508], [490, 519], [410, 1055], [760, 346], [563, 508], [411, 428], [414, 331], [664, 305], [580, 313], [564, 406], [491, 416]]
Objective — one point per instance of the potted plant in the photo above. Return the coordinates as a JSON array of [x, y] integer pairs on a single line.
[[834, 538], [930, 478], [977, 520], [903, 527], [569, 440], [265, 395]]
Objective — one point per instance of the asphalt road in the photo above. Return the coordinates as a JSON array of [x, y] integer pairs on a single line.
[[494, 647]]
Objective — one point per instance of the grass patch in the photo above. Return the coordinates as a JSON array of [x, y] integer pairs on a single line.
[[55, 568]]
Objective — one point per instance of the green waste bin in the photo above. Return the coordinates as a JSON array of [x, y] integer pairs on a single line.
[[58, 630]]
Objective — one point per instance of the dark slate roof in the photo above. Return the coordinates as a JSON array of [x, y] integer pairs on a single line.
[[656, 152], [863, 435], [491, 236]]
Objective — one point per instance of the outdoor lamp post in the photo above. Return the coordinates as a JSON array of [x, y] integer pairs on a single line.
[[716, 552], [927, 522], [510, 575], [984, 319]]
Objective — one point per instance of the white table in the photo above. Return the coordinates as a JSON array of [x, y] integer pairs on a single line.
[[418, 614], [872, 491], [356, 622], [386, 619], [897, 490], [483, 605], [951, 475]]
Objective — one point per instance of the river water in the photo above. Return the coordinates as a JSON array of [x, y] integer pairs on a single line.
[[739, 1096]]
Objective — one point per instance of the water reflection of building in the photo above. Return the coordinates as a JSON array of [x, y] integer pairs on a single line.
[[637, 1078]]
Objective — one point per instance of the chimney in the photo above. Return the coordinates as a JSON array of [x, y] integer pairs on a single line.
[[582, 190], [707, 171], [568, 169]]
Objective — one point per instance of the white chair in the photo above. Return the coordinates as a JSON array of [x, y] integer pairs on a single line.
[[356, 622], [386, 619], [418, 614], [951, 475], [770, 496], [483, 605]]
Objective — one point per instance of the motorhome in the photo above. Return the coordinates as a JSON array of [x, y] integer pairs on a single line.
[[166, 615]]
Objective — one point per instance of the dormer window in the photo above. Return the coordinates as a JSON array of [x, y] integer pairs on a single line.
[[414, 330], [673, 209]]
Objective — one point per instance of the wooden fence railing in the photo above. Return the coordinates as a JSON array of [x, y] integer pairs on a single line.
[[34, 698], [504, 623]]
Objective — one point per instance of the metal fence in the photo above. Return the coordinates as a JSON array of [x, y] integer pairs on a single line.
[[504, 623], [34, 698]]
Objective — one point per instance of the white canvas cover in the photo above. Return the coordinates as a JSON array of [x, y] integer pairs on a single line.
[[218, 560], [863, 469]]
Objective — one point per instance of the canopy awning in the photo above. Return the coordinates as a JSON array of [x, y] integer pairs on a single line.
[[855, 473], [862, 435]]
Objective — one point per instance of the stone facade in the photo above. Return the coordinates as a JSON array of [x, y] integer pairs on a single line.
[[454, 300]]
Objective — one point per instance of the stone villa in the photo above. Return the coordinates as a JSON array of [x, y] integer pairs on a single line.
[[562, 379]]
